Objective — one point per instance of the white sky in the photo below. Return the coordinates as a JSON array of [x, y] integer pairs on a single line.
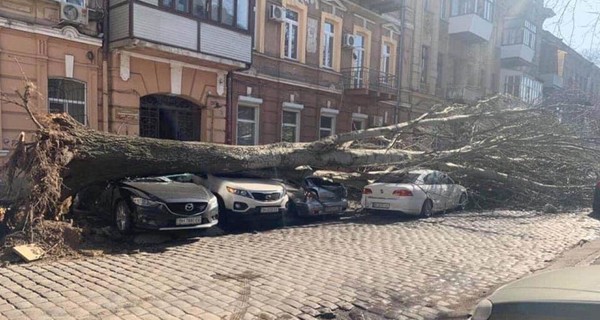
[[577, 22]]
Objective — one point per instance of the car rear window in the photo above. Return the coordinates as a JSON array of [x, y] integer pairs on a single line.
[[399, 178], [322, 182]]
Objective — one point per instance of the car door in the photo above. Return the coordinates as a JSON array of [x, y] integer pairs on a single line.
[[447, 189], [432, 187]]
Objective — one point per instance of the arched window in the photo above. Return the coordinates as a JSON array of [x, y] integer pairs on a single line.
[[66, 95]]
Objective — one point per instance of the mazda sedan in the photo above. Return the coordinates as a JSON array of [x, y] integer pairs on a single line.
[[156, 203]]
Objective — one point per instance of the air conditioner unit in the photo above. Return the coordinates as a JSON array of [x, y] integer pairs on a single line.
[[349, 40], [277, 13], [74, 14]]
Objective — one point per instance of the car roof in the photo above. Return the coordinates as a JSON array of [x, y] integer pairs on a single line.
[[421, 171], [570, 284]]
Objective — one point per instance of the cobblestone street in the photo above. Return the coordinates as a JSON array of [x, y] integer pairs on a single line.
[[397, 268]]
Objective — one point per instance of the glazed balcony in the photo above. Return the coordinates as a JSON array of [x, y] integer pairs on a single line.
[[370, 82], [517, 52], [146, 25], [470, 27], [552, 80]]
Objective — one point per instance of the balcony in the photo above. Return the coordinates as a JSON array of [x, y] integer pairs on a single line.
[[464, 94], [370, 82], [383, 6], [470, 27], [136, 24], [552, 80], [519, 52]]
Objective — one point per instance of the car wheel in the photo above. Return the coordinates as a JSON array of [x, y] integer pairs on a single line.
[[123, 218], [223, 216], [427, 209], [462, 202]]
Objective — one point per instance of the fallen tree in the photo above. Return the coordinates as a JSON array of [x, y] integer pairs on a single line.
[[506, 152]]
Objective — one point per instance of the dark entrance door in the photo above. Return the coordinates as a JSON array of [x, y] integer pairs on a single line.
[[169, 117]]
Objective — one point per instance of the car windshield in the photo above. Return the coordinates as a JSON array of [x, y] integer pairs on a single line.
[[151, 179], [399, 178]]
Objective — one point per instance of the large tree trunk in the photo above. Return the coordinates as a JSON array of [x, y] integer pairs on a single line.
[[501, 149]]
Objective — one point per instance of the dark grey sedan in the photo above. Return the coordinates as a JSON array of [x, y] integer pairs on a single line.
[[317, 196], [156, 203]]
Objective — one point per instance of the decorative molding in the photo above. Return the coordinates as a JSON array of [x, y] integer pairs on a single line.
[[124, 66], [169, 61], [66, 33], [291, 106], [176, 75], [221, 83], [336, 4], [69, 64], [360, 116], [329, 111], [250, 101]]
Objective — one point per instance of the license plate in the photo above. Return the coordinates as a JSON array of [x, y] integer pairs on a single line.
[[186, 221], [269, 210], [333, 209], [381, 205]]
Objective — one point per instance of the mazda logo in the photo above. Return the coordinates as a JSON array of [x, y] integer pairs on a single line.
[[189, 207]]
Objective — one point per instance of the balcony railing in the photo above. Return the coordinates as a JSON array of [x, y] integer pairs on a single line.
[[370, 80], [464, 94]]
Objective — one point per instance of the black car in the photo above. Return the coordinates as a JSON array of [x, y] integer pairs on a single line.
[[596, 204], [157, 203]]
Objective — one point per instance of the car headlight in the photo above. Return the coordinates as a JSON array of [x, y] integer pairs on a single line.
[[483, 311], [213, 203], [239, 192], [142, 202]]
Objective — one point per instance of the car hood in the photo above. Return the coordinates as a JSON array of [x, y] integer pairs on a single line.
[[253, 184], [172, 191], [571, 284]]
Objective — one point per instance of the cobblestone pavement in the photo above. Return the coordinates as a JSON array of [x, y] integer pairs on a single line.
[[400, 268]]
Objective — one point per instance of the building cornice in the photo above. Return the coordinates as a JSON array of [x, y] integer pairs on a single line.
[[68, 33]]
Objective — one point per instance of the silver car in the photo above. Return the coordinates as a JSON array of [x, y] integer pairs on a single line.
[[572, 293], [317, 196]]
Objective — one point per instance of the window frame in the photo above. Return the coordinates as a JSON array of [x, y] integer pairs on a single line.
[[331, 130], [256, 121], [288, 25], [328, 38], [424, 64], [207, 16], [361, 118], [296, 126], [66, 102]]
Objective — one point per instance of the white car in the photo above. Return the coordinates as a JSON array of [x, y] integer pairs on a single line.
[[245, 199], [420, 192]]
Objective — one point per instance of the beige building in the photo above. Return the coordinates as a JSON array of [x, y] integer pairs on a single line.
[[155, 68]]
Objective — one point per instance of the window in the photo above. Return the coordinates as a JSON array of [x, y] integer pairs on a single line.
[[291, 34], [327, 126], [521, 35], [290, 127], [524, 87], [247, 125], [386, 55], [426, 5], [328, 38], [358, 124], [424, 63], [443, 9], [68, 96], [358, 61], [182, 5], [230, 12], [199, 8], [483, 8]]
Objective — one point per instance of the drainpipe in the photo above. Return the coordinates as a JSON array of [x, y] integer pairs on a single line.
[[229, 110], [105, 67], [399, 68]]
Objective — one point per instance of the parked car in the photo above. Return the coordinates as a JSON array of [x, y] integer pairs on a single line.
[[158, 203], [571, 293], [247, 198], [596, 204], [317, 196], [421, 192]]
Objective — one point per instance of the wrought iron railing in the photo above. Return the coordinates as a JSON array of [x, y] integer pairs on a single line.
[[365, 78]]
